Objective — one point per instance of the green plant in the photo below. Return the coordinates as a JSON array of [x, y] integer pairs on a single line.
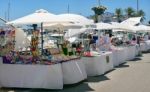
[[98, 10], [130, 12], [118, 14], [140, 13]]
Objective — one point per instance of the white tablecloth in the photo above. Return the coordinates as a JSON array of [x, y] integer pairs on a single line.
[[31, 76], [143, 47], [1, 61], [130, 52], [137, 50], [98, 65], [121, 53], [148, 44], [115, 60], [119, 56], [108, 64], [73, 72]]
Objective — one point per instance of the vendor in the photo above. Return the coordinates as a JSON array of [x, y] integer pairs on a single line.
[[79, 49], [100, 43], [92, 44], [65, 47]]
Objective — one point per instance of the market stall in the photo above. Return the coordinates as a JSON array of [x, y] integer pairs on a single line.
[[37, 66]]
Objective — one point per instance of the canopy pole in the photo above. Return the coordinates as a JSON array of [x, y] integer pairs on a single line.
[[42, 41]]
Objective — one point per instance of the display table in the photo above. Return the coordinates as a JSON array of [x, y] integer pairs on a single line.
[[119, 56], [31, 76], [130, 52], [137, 50], [148, 44], [115, 58], [1, 61], [73, 72], [108, 61], [143, 47], [98, 65]]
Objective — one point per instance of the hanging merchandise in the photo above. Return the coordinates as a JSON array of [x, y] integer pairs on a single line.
[[34, 43], [7, 42]]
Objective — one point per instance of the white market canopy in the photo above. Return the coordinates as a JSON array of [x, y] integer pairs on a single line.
[[77, 19], [143, 28], [74, 32], [128, 24], [61, 26], [132, 21], [39, 16], [104, 26], [123, 27]]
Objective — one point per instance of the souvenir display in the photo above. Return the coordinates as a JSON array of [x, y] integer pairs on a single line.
[[34, 43], [31, 55], [7, 41]]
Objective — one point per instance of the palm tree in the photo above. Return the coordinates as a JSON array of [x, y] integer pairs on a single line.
[[140, 13], [118, 14], [130, 12]]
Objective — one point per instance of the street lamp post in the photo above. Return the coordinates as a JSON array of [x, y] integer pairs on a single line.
[[137, 2], [99, 3]]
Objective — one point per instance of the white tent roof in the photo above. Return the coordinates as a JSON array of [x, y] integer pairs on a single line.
[[37, 17], [74, 32], [61, 26], [123, 27], [76, 19], [132, 21], [142, 28], [104, 26]]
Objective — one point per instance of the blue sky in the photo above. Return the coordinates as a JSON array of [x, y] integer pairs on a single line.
[[21, 8]]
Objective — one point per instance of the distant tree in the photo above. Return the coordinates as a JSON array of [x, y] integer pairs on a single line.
[[118, 14], [130, 12], [149, 22], [140, 13]]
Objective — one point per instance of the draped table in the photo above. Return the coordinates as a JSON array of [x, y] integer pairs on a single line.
[[73, 71], [130, 52], [148, 44], [42, 76], [143, 47], [98, 64], [118, 56], [31, 76]]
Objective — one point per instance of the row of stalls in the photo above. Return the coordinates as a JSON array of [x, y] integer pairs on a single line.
[[80, 49]]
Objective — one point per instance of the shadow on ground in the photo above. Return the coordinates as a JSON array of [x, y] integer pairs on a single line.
[[79, 87], [123, 65], [97, 78], [135, 59]]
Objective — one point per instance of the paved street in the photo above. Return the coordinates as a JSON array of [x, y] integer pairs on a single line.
[[133, 76]]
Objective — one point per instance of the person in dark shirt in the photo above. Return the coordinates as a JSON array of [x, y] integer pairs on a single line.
[[138, 40]]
